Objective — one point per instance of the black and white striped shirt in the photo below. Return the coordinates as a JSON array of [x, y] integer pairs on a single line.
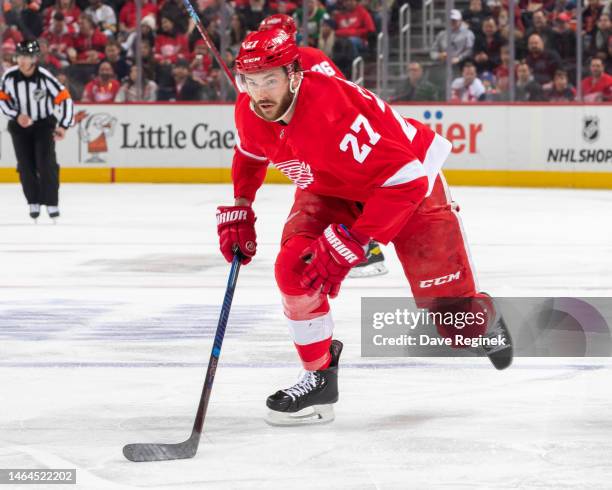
[[37, 96]]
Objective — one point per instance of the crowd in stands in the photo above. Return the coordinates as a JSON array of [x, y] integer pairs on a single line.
[[545, 53], [91, 44]]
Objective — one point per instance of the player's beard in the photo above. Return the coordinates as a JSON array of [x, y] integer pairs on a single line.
[[280, 107]]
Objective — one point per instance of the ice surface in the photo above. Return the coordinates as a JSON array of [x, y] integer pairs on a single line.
[[106, 323]]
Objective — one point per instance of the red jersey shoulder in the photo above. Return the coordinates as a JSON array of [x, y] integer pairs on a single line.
[[316, 60], [324, 96]]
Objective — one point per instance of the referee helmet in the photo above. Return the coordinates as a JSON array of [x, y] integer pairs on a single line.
[[28, 48]]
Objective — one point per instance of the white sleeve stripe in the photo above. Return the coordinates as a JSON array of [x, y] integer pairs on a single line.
[[409, 172], [436, 155], [7, 110], [250, 155], [246, 153]]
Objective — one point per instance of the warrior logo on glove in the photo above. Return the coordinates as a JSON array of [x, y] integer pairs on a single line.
[[236, 228]]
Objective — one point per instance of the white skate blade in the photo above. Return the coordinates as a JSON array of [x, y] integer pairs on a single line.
[[370, 270], [317, 414]]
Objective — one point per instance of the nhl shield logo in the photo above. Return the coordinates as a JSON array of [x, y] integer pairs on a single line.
[[590, 129], [39, 94]]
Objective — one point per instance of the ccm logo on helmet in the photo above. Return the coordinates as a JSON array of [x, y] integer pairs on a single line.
[[438, 281], [230, 216], [339, 247]]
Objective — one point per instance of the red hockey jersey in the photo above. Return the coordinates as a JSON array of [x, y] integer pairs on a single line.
[[342, 141], [316, 60]]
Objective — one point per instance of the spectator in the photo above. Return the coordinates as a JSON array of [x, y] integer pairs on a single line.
[[503, 17], [487, 46], [609, 58], [597, 87], [46, 59], [527, 89], [601, 35], [560, 91], [151, 68], [115, 58], [147, 29], [216, 10], [9, 33], [127, 14], [9, 47], [488, 82], [468, 87], [24, 14], [503, 27], [530, 6], [69, 11], [316, 14], [129, 90], [461, 42], [237, 31], [104, 17], [502, 72], [89, 43], [104, 88], [375, 7], [564, 39], [174, 10], [254, 13], [418, 88], [540, 26], [170, 44], [590, 15], [201, 62], [354, 23], [327, 37], [543, 63], [64, 79], [184, 87], [59, 38], [475, 15]]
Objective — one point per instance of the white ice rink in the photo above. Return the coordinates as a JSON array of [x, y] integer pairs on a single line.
[[107, 319]]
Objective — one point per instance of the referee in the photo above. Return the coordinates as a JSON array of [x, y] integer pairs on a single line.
[[29, 97]]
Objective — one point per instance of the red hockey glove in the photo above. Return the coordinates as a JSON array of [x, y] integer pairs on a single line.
[[332, 256], [236, 228]]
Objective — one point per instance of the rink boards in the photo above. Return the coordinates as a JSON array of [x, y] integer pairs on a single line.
[[547, 145]]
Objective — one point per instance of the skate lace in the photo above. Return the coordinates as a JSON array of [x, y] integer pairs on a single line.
[[304, 386]]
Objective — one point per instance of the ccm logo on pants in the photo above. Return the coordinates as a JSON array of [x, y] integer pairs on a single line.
[[440, 280]]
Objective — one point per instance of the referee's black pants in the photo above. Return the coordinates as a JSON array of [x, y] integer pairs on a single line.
[[36, 160]]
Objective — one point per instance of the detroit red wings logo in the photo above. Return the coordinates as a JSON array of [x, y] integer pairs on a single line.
[[298, 172]]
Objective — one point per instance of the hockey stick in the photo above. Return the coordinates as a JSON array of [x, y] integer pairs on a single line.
[[209, 44], [187, 449]]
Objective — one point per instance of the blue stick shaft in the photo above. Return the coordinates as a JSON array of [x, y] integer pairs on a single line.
[[216, 349]]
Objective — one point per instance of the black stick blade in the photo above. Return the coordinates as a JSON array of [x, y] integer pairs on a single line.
[[160, 452]]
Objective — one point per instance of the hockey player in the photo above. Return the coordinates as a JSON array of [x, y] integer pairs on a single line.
[[362, 172], [314, 59]]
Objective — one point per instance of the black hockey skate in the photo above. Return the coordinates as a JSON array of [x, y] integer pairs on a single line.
[[375, 266], [310, 400], [500, 355], [34, 211], [53, 212]]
